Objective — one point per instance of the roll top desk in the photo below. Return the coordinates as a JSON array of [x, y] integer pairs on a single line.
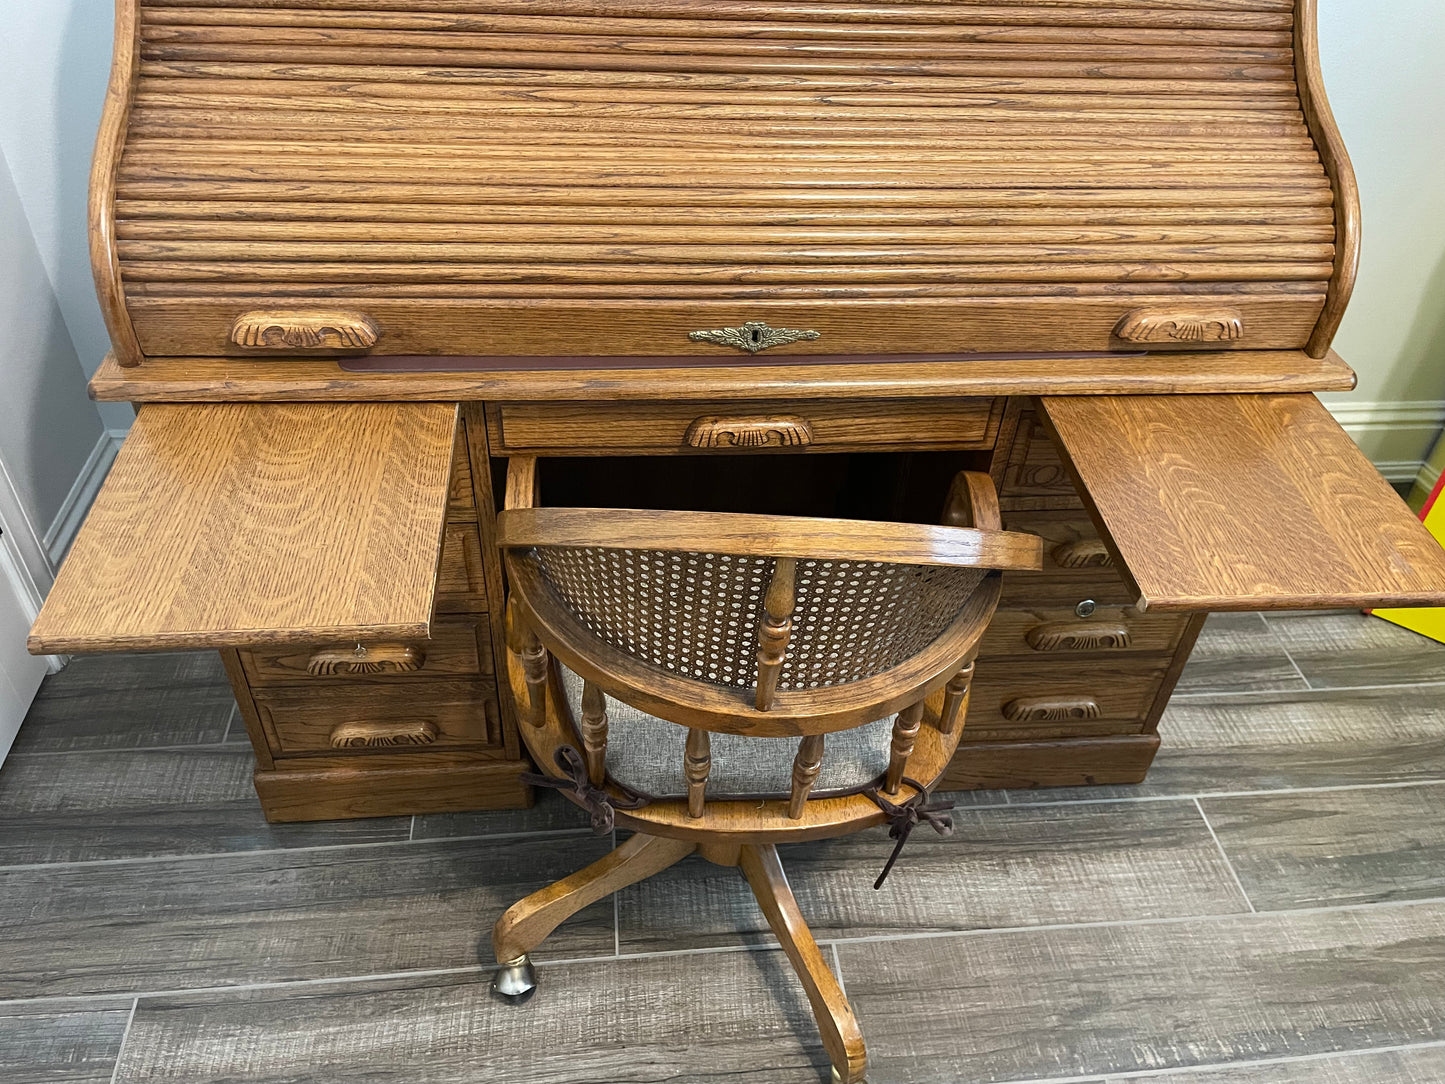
[[353, 254]]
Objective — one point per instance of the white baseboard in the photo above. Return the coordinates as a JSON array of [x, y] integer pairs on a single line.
[[77, 502], [1400, 425]]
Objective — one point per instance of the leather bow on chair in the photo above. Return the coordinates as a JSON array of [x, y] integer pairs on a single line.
[[593, 799], [903, 817]]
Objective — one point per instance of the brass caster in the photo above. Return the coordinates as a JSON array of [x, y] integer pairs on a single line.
[[515, 980]]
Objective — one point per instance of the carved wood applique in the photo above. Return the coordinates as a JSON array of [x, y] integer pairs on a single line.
[[1050, 709], [313, 330], [1085, 553], [1181, 326], [366, 659], [1077, 637], [369, 735], [774, 431]]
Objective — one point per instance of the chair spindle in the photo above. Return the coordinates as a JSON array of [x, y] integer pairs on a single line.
[[697, 762], [534, 670], [806, 766], [905, 734], [953, 697], [774, 629], [594, 732]]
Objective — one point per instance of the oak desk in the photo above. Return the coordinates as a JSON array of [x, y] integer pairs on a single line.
[[353, 254]]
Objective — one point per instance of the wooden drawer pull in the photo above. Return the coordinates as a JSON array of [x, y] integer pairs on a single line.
[[772, 431], [1071, 636], [1043, 709], [314, 330], [366, 659], [367, 735], [1180, 326], [1086, 553]]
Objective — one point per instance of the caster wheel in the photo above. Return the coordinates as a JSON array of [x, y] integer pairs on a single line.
[[515, 980]]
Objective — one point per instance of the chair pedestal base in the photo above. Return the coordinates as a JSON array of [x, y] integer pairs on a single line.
[[528, 922]]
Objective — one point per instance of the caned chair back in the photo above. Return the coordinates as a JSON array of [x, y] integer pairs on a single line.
[[753, 625]]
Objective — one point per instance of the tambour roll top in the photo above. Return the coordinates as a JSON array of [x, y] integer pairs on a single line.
[[646, 177]]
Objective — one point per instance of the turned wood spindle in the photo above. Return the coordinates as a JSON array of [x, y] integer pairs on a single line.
[[697, 762], [534, 670], [594, 732], [953, 696], [806, 766], [905, 734], [774, 629]]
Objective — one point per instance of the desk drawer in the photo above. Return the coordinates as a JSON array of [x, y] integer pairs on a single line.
[[349, 718], [1077, 566], [1035, 468], [459, 648], [1053, 698], [1060, 633], [694, 427]]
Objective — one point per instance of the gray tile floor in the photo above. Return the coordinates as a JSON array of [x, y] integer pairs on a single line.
[[1269, 907]]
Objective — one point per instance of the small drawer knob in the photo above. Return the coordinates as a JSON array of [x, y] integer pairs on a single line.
[[1086, 608]]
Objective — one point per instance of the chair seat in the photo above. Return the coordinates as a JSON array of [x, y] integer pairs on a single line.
[[645, 755]]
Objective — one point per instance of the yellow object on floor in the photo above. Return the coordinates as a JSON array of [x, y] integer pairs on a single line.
[[1426, 620]]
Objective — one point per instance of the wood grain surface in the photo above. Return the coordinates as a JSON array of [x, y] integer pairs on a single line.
[[1335, 847], [1244, 502], [615, 178], [1051, 1003], [74, 1043], [198, 379], [1417, 1065], [151, 803], [237, 524], [745, 1019], [1000, 868], [277, 916]]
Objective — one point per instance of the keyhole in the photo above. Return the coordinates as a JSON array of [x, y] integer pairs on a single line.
[[755, 335]]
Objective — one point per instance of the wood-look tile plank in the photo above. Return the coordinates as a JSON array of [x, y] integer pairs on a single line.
[[1237, 653], [241, 523], [712, 1018], [1344, 649], [279, 916], [1335, 847], [1418, 1065], [1001, 867], [1282, 740], [127, 701], [76, 1044], [151, 802], [551, 813], [1104, 1000]]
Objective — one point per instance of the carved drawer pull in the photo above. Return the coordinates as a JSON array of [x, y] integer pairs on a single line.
[[368, 735], [1180, 326], [1086, 553], [1070, 636], [314, 330], [366, 659], [1044, 709], [773, 431]]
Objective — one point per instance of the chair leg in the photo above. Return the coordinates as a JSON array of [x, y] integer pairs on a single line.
[[527, 922], [841, 1037]]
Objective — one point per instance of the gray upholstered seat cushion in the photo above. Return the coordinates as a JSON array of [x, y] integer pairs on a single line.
[[644, 754]]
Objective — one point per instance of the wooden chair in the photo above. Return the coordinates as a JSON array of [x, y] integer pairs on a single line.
[[722, 683]]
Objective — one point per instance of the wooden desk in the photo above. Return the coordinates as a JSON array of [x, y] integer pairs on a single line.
[[1099, 251]]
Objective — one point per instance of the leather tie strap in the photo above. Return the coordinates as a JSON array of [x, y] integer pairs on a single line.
[[903, 817], [578, 787]]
